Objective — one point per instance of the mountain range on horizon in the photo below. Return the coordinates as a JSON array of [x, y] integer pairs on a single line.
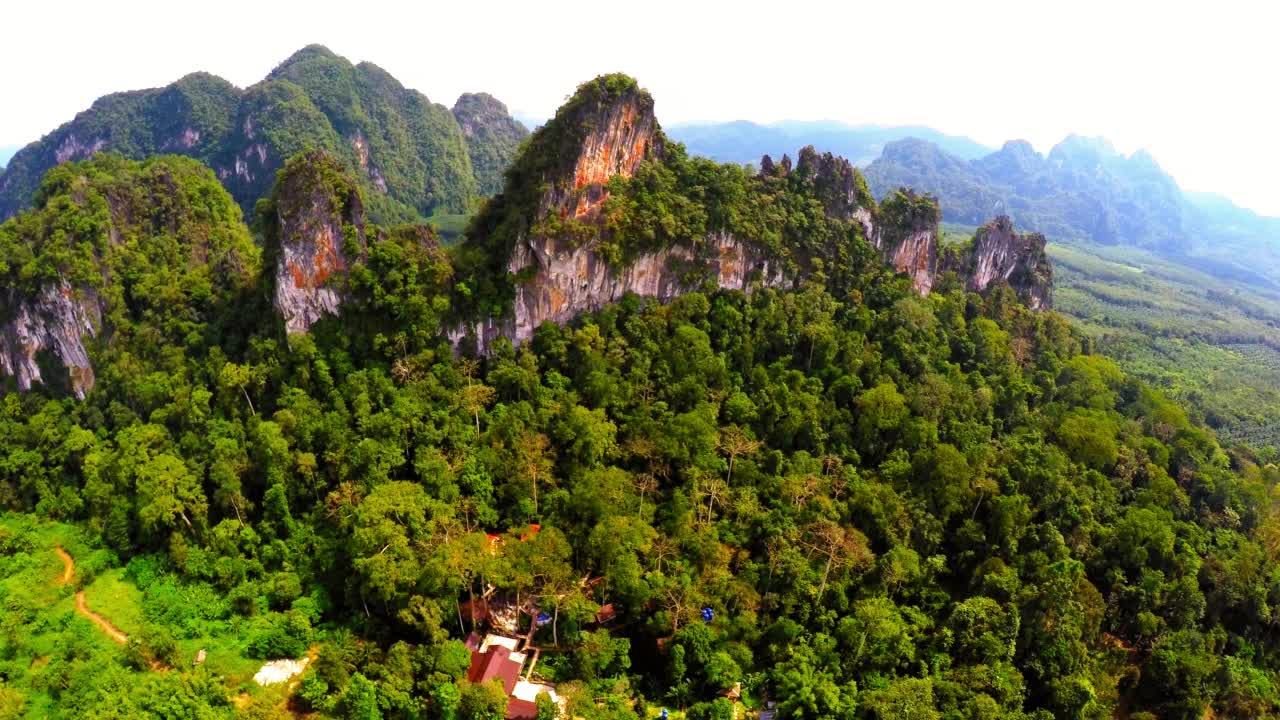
[[1082, 189], [745, 141], [416, 158]]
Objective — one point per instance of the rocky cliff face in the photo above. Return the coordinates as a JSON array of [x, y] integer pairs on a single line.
[[48, 329], [1084, 188], [549, 231], [999, 254], [907, 237], [619, 132], [904, 229], [126, 254], [319, 220], [607, 130]]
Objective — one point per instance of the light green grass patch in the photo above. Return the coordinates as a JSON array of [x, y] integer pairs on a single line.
[[117, 600], [450, 227]]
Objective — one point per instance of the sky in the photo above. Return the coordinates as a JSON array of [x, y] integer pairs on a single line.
[[1192, 82]]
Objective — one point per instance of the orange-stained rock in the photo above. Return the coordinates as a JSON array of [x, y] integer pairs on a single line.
[[607, 131], [311, 214], [907, 237], [621, 133]]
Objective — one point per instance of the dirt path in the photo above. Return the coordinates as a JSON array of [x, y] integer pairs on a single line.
[[111, 630], [68, 565], [68, 572]]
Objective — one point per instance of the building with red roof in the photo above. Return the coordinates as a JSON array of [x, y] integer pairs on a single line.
[[496, 659]]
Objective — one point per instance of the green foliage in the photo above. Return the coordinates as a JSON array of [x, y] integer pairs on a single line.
[[409, 154], [411, 146], [493, 137], [158, 247], [1206, 340], [547, 157], [800, 221], [857, 501], [1083, 189]]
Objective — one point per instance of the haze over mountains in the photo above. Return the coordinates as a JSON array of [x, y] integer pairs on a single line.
[[415, 159], [743, 141], [1083, 189], [418, 158]]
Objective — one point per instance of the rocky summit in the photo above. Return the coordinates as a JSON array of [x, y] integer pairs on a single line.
[[119, 260], [1082, 189], [563, 229], [321, 399], [316, 218], [492, 135], [998, 254], [605, 133]]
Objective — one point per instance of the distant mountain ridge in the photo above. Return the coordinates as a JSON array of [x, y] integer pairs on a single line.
[[492, 134], [742, 141], [1085, 189], [412, 155]]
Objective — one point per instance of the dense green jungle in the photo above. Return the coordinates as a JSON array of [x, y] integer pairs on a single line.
[[828, 495]]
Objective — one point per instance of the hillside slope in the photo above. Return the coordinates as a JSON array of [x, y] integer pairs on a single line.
[[600, 204], [412, 155], [1083, 189]]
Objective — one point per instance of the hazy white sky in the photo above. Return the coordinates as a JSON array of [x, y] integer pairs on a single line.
[[1193, 82]]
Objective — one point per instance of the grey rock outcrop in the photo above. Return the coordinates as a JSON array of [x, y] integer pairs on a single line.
[[907, 237], [492, 136], [998, 255], [54, 320], [571, 281]]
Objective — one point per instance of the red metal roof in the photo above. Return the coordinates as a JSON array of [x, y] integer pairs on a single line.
[[496, 663], [519, 709]]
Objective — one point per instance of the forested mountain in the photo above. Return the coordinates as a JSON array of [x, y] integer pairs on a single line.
[[601, 204], [1181, 288], [493, 137], [1211, 341], [412, 155], [1085, 190], [775, 444], [6, 153], [743, 142]]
